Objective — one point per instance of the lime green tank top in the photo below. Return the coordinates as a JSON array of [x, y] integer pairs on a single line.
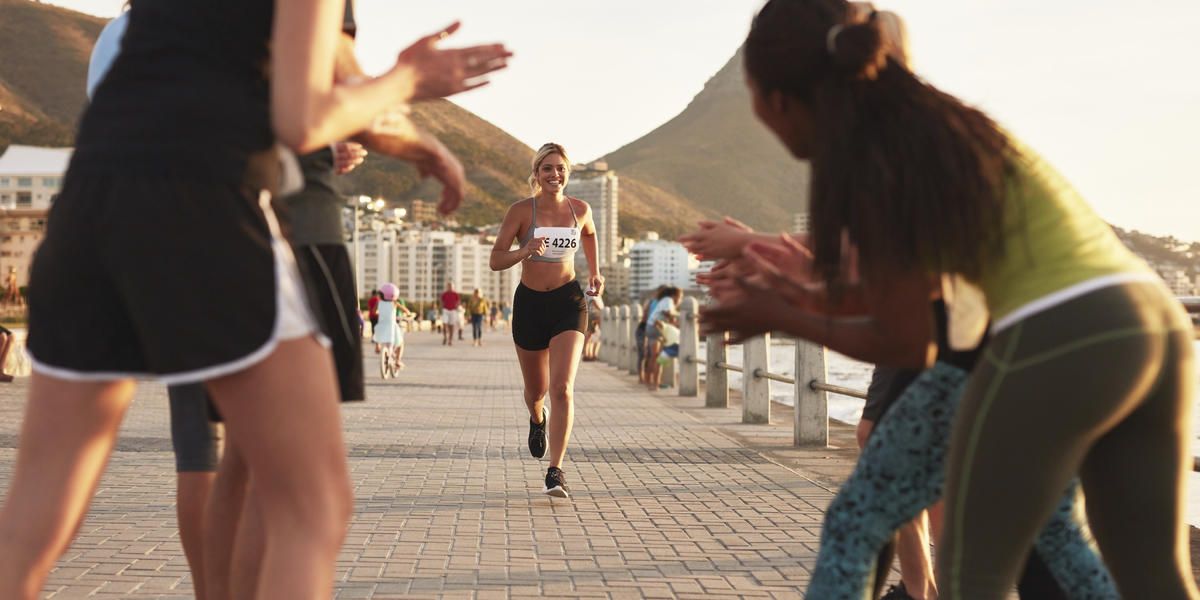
[[1052, 241]]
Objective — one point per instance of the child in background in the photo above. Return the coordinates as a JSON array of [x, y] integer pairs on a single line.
[[388, 332], [669, 343]]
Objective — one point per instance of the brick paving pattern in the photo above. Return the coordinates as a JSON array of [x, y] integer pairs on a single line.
[[449, 503]]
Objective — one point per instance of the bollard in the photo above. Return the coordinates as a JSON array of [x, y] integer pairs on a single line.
[[716, 384], [635, 317], [604, 317], [608, 326], [620, 334], [689, 348], [812, 406], [756, 391]]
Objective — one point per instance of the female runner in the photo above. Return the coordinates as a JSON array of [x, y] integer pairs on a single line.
[[549, 308]]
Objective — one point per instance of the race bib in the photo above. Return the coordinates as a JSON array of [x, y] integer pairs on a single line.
[[560, 241]]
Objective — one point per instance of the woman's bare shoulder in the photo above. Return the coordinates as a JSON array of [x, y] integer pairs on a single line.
[[581, 207]]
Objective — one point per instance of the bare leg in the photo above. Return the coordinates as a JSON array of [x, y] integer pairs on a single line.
[[5, 346], [565, 349], [654, 372], [283, 416], [535, 370], [248, 549], [66, 438], [192, 489], [222, 519], [916, 565]]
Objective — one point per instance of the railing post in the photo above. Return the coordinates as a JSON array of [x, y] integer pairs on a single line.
[[716, 384], [606, 339], [635, 317], [756, 391], [621, 332], [689, 348], [812, 406]]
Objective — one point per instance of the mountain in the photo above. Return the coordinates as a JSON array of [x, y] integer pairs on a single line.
[[43, 64], [718, 156], [44, 53]]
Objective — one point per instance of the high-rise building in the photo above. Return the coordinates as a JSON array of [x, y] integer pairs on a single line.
[[655, 262], [598, 186]]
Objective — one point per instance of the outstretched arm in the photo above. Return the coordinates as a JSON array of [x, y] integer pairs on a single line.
[[896, 330], [310, 108]]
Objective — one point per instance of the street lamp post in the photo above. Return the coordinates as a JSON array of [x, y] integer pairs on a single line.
[[357, 207], [361, 206]]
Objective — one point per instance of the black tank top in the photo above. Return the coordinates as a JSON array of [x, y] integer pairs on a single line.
[[188, 94]]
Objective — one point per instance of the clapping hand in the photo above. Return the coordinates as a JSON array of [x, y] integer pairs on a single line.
[[784, 266], [440, 73], [717, 239], [347, 156], [745, 315]]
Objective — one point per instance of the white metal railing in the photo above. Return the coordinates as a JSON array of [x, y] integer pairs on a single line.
[[811, 413]]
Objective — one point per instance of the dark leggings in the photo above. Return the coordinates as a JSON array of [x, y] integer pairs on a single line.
[[1102, 386], [477, 327], [901, 472]]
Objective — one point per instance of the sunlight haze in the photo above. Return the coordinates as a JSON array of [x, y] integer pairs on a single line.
[[1106, 90]]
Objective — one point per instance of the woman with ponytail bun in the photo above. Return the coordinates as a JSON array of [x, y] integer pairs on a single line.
[[550, 316], [915, 195]]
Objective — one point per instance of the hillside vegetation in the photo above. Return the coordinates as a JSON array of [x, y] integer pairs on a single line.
[[718, 156]]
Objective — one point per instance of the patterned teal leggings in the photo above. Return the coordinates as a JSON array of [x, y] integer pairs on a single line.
[[901, 472]]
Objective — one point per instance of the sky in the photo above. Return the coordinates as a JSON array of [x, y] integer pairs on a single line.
[[1105, 89]]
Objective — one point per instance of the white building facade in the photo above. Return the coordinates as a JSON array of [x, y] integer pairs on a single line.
[[800, 222], [421, 262], [31, 177], [30, 180], [654, 262]]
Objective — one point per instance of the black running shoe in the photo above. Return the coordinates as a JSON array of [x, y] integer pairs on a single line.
[[896, 592], [537, 435], [556, 483]]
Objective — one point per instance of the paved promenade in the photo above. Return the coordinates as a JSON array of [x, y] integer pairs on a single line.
[[448, 501]]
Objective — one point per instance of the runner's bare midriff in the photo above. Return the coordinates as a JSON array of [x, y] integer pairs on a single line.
[[544, 277]]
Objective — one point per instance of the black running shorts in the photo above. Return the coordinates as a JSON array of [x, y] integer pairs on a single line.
[[539, 316], [329, 276], [155, 276]]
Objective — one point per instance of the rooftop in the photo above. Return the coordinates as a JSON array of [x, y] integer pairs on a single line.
[[34, 160]]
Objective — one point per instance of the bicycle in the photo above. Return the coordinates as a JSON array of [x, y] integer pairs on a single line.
[[389, 361], [389, 354]]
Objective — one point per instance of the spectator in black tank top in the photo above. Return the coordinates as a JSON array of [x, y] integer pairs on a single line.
[[175, 151]]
